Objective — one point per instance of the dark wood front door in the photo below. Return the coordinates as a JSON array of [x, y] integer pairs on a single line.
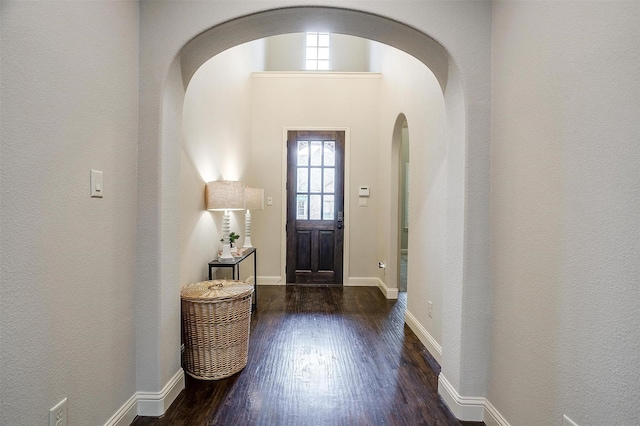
[[315, 207]]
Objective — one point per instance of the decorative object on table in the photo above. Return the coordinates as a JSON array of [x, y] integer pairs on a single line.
[[225, 195], [254, 200], [216, 317], [232, 239], [235, 252]]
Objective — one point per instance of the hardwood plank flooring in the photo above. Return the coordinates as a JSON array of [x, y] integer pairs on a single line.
[[321, 355]]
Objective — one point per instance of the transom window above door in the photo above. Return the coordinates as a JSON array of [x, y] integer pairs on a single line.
[[315, 180], [318, 51]]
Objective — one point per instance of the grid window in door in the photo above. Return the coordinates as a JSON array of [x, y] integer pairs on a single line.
[[315, 180]]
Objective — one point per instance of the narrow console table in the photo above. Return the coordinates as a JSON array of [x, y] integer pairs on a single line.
[[235, 274]]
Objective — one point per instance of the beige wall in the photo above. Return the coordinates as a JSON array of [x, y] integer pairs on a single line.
[[565, 173], [306, 101], [216, 145], [422, 104], [286, 52], [69, 83]]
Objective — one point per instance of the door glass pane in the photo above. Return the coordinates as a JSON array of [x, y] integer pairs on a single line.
[[316, 153], [303, 179], [302, 207], [303, 153], [327, 208], [329, 184], [329, 153], [314, 207], [316, 180]]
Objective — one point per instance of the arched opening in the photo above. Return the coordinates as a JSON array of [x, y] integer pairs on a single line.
[[160, 275]]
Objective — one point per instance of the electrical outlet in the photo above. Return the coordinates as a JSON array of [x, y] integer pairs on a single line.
[[430, 309], [58, 414]]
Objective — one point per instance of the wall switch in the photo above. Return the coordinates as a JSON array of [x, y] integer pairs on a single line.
[[269, 201], [430, 309], [97, 188], [58, 414]]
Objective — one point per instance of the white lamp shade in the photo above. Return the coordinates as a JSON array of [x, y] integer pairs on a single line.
[[225, 195], [254, 198]]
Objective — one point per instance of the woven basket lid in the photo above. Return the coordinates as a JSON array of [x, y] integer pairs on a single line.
[[215, 290]]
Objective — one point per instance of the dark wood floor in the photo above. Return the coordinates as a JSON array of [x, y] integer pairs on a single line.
[[321, 356]]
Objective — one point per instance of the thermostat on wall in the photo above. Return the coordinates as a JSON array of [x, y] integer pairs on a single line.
[[363, 191]]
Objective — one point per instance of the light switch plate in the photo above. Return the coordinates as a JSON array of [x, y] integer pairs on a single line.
[[97, 187]]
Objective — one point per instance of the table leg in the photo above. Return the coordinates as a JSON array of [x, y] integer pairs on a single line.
[[255, 279]]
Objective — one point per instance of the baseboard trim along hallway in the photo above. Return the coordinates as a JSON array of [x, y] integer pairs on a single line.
[[466, 408], [427, 339], [149, 403]]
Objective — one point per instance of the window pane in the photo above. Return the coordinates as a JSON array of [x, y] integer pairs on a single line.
[[312, 53], [323, 65], [303, 153], [324, 39], [303, 205], [323, 53], [329, 185], [314, 207], [311, 65], [329, 153], [312, 39], [316, 153], [303, 180], [316, 180], [328, 208]]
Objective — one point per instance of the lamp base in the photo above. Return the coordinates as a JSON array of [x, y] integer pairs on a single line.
[[226, 253], [247, 242]]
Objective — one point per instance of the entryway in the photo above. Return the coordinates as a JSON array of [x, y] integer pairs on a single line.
[[315, 207]]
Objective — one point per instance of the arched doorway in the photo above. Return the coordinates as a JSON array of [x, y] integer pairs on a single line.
[[159, 154]]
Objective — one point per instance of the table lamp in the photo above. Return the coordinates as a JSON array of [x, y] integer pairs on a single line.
[[225, 195], [254, 198]]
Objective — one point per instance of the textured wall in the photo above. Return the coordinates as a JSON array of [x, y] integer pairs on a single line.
[[216, 144], [408, 87], [69, 104], [565, 203]]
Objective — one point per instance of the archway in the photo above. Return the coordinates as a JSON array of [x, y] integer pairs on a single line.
[[160, 151]]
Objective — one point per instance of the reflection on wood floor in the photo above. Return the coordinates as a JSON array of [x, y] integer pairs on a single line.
[[321, 356]]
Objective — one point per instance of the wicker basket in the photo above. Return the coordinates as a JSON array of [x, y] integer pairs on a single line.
[[216, 319]]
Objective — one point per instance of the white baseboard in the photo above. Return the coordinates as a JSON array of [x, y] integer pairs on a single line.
[[463, 407], [427, 339], [389, 293], [492, 417], [264, 280], [148, 403], [156, 403], [126, 414], [361, 282]]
